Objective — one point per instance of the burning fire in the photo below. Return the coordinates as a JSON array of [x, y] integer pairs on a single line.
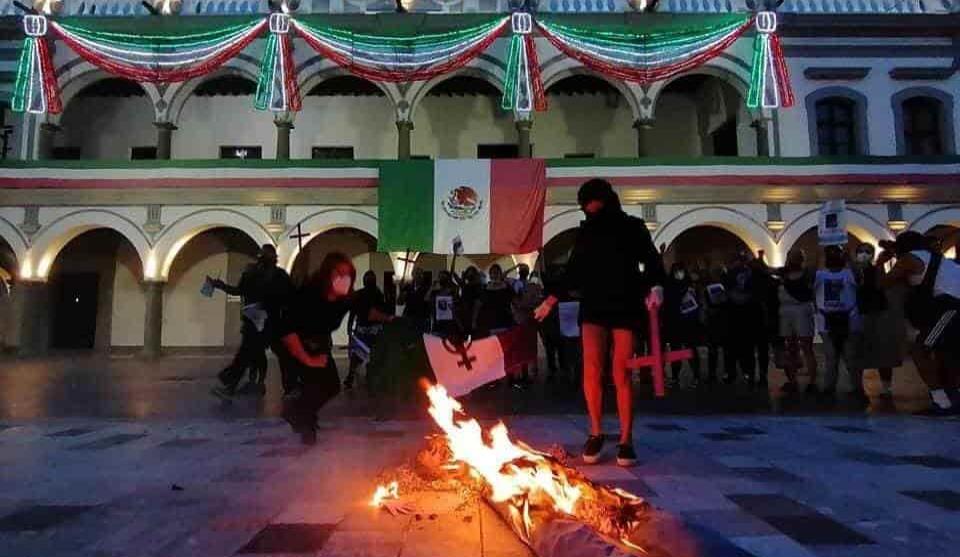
[[530, 482], [528, 488], [390, 491]]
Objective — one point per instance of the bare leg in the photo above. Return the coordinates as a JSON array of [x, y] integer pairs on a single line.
[[622, 351], [594, 357], [809, 358], [791, 352]]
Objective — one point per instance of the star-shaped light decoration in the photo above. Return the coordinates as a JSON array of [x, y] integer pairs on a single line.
[[48, 7], [643, 5]]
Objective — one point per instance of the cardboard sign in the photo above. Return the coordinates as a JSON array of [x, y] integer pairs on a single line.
[[832, 230]]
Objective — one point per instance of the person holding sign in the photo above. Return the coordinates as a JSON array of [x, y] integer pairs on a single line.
[[682, 319], [614, 266], [838, 321]]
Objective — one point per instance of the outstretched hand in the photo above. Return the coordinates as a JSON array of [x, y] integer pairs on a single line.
[[544, 309], [655, 298]]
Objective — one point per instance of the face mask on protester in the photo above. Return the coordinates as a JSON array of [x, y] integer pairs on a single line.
[[341, 285], [679, 275], [864, 257]]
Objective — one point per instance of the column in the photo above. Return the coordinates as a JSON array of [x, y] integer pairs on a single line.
[[763, 139], [32, 312], [164, 140], [524, 149], [644, 129], [46, 140], [283, 139], [153, 319], [404, 128]]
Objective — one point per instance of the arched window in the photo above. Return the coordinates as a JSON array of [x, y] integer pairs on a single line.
[[922, 133], [836, 126]]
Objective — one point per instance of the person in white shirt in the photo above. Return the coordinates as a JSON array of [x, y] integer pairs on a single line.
[[838, 321], [932, 309]]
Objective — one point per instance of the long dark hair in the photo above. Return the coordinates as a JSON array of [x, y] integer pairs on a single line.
[[321, 280], [599, 190]]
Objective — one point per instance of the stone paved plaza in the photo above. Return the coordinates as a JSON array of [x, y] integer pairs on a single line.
[[148, 465]]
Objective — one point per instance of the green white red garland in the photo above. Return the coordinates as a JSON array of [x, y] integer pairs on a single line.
[[642, 57]]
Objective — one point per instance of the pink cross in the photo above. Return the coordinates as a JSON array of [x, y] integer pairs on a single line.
[[657, 359]]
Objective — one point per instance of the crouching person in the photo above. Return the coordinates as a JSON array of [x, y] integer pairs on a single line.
[[304, 341]]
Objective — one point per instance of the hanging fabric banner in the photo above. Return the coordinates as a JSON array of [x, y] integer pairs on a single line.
[[522, 87], [413, 57], [159, 58], [647, 56], [769, 79], [277, 88], [35, 89]]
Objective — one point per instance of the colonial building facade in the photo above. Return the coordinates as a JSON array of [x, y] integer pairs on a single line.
[[106, 247]]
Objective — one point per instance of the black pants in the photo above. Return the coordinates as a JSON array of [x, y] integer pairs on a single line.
[[317, 387], [251, 354]]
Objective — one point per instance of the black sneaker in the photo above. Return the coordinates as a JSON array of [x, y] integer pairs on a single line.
[[592, 449], [348, 382], [626, 456]]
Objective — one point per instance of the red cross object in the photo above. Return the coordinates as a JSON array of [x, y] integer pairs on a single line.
[[657, 359]]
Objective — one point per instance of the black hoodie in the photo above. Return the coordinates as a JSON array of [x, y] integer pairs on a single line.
[[605, 264]]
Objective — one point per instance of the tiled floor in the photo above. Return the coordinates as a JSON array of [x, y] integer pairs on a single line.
[[793, 487]]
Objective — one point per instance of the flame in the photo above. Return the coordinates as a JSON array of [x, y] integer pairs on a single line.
[[385, 492], [497, 461]]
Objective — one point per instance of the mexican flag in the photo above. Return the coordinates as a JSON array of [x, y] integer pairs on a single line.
[[493, 206]]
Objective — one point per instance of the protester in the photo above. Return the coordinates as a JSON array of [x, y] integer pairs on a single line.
[[605, 268], [931, 308], [881, 311], [471, 288], [681, 320], [264, 289], [443, 301], [494, 312], [745, 316], [550, 333], [717, 323], [797, 321], [838, 321], [413, 298], [765, 293], [527, 295], [363, 332], [305, 343]]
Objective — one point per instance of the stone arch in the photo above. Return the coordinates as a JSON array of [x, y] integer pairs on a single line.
[[860, 115], [946, 117], [860, 223], [487, 72], [56, 234], [328, 70], [949, 216], [561, 73], [561, 222], [320, 222], [179, 232], [745, 227], [728, 69], [15, 239], [177, 96], [77, 75]]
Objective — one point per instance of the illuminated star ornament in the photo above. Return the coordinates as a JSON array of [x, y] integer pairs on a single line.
[[48, 7], [167, 7]]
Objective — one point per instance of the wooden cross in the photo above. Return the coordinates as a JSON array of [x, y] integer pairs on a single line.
[[657, 359], [299, 236]]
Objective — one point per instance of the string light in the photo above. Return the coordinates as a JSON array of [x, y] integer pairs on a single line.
[[769, 81]]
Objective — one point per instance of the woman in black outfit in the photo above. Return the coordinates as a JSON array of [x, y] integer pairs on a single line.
[[614, 266], [305, 343]]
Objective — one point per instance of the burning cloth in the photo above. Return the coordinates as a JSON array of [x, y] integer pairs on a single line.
[[403, 356]]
